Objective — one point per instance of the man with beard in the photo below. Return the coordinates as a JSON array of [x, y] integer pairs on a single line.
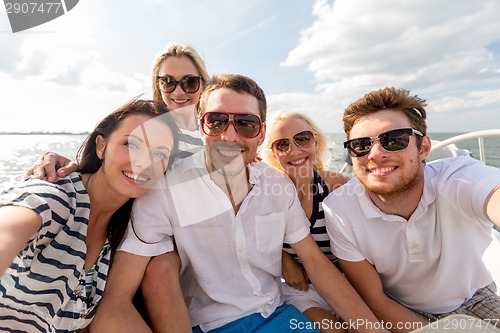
[[408, 235], [229, 218]]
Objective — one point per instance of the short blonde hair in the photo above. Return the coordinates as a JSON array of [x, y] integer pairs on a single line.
[[320, 137]]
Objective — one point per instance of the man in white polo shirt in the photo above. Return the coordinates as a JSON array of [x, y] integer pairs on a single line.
[[408, 235]]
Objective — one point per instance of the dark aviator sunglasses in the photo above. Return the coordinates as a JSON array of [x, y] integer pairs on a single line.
[[190, 84], [246, 125], [394, 140], [304, 139]]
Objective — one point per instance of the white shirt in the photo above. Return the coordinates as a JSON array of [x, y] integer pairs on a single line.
[[431, 262], [231, 264]]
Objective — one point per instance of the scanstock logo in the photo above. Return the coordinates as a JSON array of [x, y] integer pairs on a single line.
[[26, 14]]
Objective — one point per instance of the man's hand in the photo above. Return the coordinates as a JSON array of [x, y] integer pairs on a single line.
[[47, 164]]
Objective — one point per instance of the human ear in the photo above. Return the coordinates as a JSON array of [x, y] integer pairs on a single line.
[[100, 146], [262, 134], [425, 149]]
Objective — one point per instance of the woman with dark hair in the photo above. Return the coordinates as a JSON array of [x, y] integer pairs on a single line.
[[57, 239], [179, 76]]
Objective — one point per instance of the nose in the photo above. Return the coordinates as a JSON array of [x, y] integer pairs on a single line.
[[230, 134], [293, 148], [376, 149], [141, 159], [178, 90]]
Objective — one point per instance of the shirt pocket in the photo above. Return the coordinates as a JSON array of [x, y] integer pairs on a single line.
[[269, 231]]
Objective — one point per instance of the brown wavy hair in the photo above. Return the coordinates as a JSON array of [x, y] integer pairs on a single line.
[[89, 162]]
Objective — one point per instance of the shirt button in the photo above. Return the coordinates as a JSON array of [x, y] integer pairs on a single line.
[[413, 246]]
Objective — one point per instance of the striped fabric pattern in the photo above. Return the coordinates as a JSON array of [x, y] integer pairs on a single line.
[[44, 288], [317, 220], [190, 143]]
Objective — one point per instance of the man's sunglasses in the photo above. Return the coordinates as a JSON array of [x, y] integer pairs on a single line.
[[395, 140], [246, 125], [190, 84], [303, 139]]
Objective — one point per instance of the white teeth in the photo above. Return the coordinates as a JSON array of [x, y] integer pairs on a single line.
[[136, 177], [230, 153], [382, 170], [180, 101], [298, 161]]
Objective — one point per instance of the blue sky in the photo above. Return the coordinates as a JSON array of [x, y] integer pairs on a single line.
[[315, 56]]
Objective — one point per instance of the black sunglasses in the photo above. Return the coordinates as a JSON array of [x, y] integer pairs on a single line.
[[246, 125], [303, 139], [190, 84], [395, 140]]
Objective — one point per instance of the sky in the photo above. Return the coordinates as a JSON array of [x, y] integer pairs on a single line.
[[316, 56]]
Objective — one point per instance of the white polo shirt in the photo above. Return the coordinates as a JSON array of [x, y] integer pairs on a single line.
[[231, 264], [431, 262]]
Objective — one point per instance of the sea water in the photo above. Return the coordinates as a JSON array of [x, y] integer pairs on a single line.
[[19, 151]]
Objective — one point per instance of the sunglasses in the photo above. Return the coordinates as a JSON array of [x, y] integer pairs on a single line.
[[246, 125], [395, 140], [190, 84], [303, 139]]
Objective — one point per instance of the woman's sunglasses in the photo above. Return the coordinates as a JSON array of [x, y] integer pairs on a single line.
[[190, 84], [246, 125], [303, 139], [395, 140]]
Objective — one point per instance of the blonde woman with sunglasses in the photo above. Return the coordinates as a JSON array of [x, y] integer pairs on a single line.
[[178, 78], [295, 145]]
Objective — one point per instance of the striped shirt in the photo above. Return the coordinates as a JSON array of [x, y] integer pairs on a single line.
[[190, 143], [317, 220], [43, 290]]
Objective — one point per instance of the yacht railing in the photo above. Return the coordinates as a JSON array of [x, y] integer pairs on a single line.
[[469, 136]]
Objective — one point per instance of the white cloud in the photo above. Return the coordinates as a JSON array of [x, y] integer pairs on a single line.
[[99, 54], [435, 48], [56, 79]]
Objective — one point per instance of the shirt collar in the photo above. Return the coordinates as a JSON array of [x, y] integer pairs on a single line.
[[197, 161], [369, 209]]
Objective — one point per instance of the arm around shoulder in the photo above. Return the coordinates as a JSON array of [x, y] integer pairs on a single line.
[[51, 165]]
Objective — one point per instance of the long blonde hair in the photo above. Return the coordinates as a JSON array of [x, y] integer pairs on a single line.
[[178, 50], [320, 137]]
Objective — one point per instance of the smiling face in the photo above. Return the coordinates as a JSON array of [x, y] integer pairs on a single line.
[[388, 173], [299, 161], [135, 155], [229, 150], [178, 68]]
